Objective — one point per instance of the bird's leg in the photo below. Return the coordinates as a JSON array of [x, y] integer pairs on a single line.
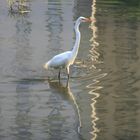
[[68, 72], [59, 74]]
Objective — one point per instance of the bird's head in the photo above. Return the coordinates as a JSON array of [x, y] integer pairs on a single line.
[[83, 19]]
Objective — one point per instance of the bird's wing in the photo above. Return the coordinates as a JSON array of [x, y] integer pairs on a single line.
[[60, 60]]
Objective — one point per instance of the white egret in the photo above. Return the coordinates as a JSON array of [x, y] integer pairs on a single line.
[[65, 59]]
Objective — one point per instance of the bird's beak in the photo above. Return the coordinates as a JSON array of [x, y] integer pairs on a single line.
[[88, 20]]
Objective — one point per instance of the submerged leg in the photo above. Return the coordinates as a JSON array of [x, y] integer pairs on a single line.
[[68, 76]]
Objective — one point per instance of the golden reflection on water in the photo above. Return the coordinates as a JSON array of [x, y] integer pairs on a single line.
[[94, 55], [93, 88]]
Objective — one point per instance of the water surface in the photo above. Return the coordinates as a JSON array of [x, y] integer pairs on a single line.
[[101, 100]]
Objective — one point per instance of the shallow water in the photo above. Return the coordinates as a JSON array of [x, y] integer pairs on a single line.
[[102, 98]]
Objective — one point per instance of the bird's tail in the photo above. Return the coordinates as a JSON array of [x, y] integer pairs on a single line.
[[46, 65]]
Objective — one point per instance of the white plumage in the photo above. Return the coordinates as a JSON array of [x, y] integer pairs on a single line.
[[65, 59], [59, 61]]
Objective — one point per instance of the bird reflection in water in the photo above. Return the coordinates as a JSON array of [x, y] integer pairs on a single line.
[[67, 95]]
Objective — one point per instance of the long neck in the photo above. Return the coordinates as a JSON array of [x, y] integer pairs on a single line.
[[77, 42]]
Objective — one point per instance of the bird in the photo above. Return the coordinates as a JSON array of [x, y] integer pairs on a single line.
[[66, 59]]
